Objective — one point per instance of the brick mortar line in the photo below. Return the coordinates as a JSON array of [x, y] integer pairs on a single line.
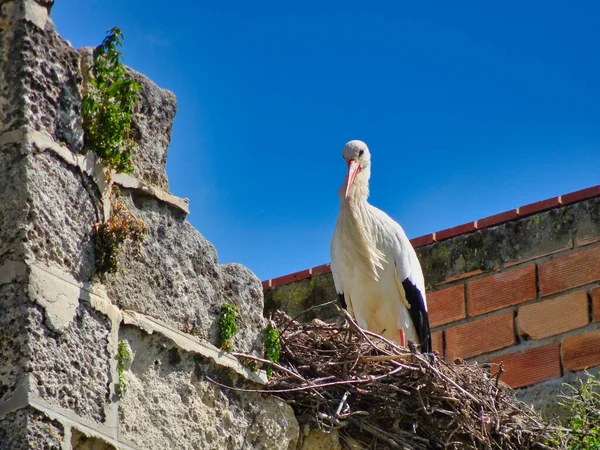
[[516, 335], [575, 245], [471, 319], [534, 344], [590, 304], [535, 260], [466, 297]]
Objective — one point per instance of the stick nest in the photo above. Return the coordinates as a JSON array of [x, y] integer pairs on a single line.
[[338, 376]]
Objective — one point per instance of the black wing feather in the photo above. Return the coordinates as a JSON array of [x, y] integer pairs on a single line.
[[342, 300], [418, 314]]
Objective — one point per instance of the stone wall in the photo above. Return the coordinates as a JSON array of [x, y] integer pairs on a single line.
[[521, 287], [61, 325]]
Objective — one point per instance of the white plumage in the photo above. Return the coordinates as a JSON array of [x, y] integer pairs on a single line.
[[375, 268]]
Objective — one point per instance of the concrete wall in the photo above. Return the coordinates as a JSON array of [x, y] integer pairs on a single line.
[[521, 287], [60, 324]]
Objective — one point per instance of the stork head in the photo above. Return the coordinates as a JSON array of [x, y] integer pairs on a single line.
[[358, 159]]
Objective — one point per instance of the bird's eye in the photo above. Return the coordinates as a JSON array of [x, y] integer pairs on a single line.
[[361, 153]]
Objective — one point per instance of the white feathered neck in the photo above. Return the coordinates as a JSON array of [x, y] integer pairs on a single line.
[[358, 230]]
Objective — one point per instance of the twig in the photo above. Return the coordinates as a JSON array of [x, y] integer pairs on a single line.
[[271, 363], [366, 359], [310, 386], [499, 373], [452, 382], [312, 308], [362, 332], [341, 405]]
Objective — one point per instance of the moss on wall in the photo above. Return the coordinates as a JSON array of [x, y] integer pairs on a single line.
[[296, 297], [489, 248]]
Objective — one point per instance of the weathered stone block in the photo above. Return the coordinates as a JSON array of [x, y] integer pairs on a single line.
[[72, 369], [170, 402], [61, 212], [48, 4], [152, 123], [39, 77], [545, 397], [179, 279], [238, 285], [15, 321], [27, 429], [13, 198]]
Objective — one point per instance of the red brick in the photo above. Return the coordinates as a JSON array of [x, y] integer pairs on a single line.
[[497, 219], [501, 290], [581, 195], [537, 207], [266, 285], [455, 231], [461, 276], [437, 342], [422, 241], [480, 336], [447, 305], [287, 279], [596, 304], [550, 317], [321, 270], [530, 367], [581, 351], [569, 271], [587, 239]]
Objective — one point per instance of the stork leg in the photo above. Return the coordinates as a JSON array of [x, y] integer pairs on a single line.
[[402, 338]]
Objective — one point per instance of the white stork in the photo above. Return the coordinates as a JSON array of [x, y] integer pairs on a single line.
[[375, 269]]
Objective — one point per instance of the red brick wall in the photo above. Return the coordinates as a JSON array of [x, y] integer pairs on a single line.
[[539, 317], [535, 308]]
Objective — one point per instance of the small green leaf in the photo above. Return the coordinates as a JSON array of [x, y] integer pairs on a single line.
[[108, 106], [272, 347], [227, 326]]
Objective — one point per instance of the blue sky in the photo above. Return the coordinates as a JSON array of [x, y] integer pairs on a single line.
[[469, 109]]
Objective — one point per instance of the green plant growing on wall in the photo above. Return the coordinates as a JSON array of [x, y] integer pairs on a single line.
[[123, 355], [108, 105], [583, 425], [110, 236], [228, 327], [272, 347]]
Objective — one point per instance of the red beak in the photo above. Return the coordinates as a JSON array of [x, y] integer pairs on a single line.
[[353, 169]]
